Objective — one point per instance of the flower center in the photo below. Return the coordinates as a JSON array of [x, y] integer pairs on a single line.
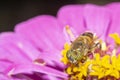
[[89, 58]]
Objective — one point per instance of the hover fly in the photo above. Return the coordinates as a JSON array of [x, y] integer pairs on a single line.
[[81, 47]]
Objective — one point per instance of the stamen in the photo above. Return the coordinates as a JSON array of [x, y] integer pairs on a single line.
[[114, 52], [68, 30], [103, 46]]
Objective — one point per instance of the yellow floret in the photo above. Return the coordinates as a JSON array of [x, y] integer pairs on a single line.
[[116, 38], [106, 66], [64, 52]]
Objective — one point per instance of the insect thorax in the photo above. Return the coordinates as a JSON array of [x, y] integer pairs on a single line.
[[80, 47]]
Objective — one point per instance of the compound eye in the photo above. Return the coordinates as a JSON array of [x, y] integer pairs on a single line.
[[72, 59], [71, 56]]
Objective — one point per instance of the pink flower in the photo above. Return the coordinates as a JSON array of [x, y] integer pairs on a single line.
[[33, 50]]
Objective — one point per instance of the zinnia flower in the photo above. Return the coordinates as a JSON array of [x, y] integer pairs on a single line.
[[33, 50]]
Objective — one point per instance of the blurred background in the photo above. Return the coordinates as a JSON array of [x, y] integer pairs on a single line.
[[13, 12]]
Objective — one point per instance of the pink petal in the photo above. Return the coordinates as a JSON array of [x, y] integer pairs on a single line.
[[5, 66], [4, 77], [97, 19], [9, 52], [16, 48], [44, 31], [72, 15], [15, 45], [114, 8], [49, 77], [26, 68]]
